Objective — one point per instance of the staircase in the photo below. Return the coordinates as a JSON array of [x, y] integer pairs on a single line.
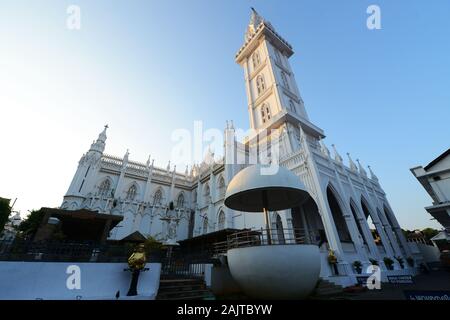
[[327, 288], [183, 289]]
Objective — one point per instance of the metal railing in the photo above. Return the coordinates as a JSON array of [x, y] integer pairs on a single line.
[[263, 237], [61, 251]]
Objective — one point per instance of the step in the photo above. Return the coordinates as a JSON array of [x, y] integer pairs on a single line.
[[327, 292], [200, 297], [184, 293], [183, 287]]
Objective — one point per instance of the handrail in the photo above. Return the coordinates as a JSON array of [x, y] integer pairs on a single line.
[[260, 237]]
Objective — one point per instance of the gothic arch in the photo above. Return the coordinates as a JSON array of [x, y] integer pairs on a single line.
[[369, 214], [391, 221], [181, 200], [279, 228], [221, 187], [335, 205], [205, 225], [206, 193], [158, 196], [356, 215], [131, 192], [105, 186], [221, 219]]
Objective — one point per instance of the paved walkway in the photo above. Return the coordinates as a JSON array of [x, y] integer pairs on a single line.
[[434, 281]]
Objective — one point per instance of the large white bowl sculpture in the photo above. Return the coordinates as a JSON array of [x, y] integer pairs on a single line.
[[277, 271], [271, 271]]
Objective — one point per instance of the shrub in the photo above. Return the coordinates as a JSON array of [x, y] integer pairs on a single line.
[[400, 261], [410, 261], [389, 263]]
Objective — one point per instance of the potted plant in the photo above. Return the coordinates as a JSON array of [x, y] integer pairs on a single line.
[[373, 262], [358, 266], [389, 263], [333, 261], [410, 261], [400, 261]]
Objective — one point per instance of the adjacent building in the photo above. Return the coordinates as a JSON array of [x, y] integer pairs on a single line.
[[435, 178]]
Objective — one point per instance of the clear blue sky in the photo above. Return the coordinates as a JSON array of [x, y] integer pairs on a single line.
[[149, 67]]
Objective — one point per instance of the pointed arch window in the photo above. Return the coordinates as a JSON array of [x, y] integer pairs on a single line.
[[180, 201], [104, 188], [285, 80], [194, 196], [205, 225], [131, 193], [207, 194], [222, 186], [256, 60], [221, 220], [260, 84], [157, 198]]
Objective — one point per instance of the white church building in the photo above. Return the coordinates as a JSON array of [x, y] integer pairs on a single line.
[[345, 198]]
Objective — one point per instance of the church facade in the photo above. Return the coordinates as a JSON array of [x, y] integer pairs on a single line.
[[344, 196]]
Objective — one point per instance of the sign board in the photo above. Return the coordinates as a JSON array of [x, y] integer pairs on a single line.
[[401, 279]]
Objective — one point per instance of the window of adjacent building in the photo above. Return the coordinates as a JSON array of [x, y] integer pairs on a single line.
[[260, 84], [277, 56], [292, 106], [256, 60], [131, 193], [221, 220], [104, 188], [285, 80]]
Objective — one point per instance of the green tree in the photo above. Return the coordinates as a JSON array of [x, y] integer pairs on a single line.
[[429, 233], [5, 211], [31, 223]]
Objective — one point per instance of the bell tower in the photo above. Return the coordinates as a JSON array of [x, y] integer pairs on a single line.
[[274, 101]]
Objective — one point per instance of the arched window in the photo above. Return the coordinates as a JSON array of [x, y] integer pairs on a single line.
[[194, 196], [265, 112], [221, 186], [131, 193], [292, 106], [221, 220], [180, 201], [205, 225], [285, 80], [157, 198], [104, 188], [260, 84], [280, 229], [256, 60]]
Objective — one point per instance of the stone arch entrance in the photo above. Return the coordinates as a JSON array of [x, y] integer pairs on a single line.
[[360, 227], [338, 217], [279, 229], [390, 216], [306, 220]]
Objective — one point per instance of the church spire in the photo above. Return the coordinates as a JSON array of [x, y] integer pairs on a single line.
[[100, 143], [352, 165]]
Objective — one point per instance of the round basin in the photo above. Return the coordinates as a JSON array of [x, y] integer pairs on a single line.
[[276, 271]]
